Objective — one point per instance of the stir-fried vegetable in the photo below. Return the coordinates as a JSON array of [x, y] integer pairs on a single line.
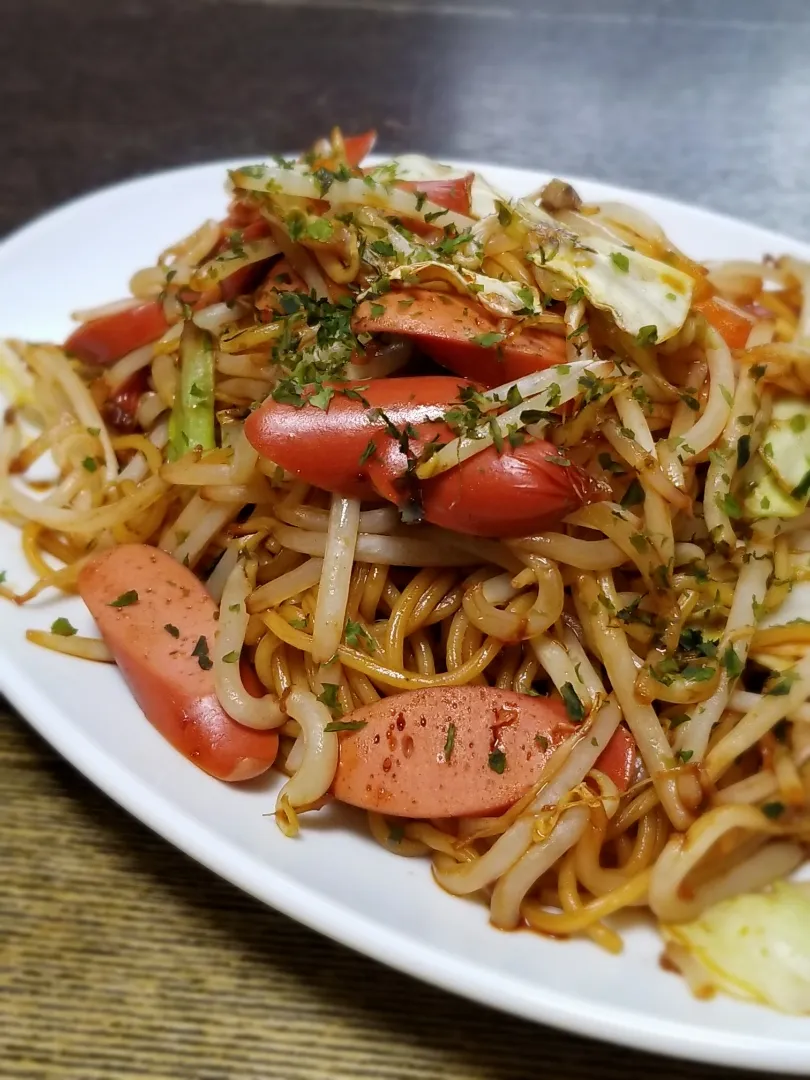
[[646, 298], [785, 446], [767, 498], [192, 420], [782, 475], [755, 947], [421, 173], [729, 320]]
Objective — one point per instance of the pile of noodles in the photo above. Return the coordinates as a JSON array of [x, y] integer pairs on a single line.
[[337, 604]]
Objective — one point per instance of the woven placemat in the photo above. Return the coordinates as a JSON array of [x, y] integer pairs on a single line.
[[120, 957]]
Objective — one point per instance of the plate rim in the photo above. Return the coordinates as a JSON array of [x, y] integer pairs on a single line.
[[316, 909]]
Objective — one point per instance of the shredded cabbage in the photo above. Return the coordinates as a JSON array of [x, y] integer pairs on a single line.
[[645, 297], [502, 298], [786, 444], [755, 946], [376, 190], [16, 381], [767, 498], [782, 471]]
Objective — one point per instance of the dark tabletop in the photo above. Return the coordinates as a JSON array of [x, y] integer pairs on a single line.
[[119, 957]]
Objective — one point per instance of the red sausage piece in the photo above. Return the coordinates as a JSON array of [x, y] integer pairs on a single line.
[[458, 751], [153, 614], [443, 325], [105, 340], [341, 448], [447, 752]]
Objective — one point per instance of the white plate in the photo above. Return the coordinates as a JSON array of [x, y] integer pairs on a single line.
[[334, 877]]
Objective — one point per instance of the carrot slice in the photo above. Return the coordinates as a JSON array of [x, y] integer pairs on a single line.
[[356, 147], [454, 194], [731, 322]]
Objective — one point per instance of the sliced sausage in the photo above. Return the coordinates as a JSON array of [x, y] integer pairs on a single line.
[[159, 623], [456, 751], [107, 339], [444, 326], [348, 449], [447, 752]]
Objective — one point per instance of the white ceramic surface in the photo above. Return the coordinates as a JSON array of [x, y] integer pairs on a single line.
[[334, 877]]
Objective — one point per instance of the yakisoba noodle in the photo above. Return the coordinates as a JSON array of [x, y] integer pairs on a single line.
[[643, 605]]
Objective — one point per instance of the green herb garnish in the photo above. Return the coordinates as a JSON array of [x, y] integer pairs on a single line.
[[450, 742], [497, 761], [513, 397], [125, 599], [634, 496], [320, 229], [731, 662], [611, 466], [200, 650], [342, 725], [505, 215], [698, 672], [573, 705], [647, 335], [357, 636], [729, 505], [369, 451], [329, 697], [488, 340]]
